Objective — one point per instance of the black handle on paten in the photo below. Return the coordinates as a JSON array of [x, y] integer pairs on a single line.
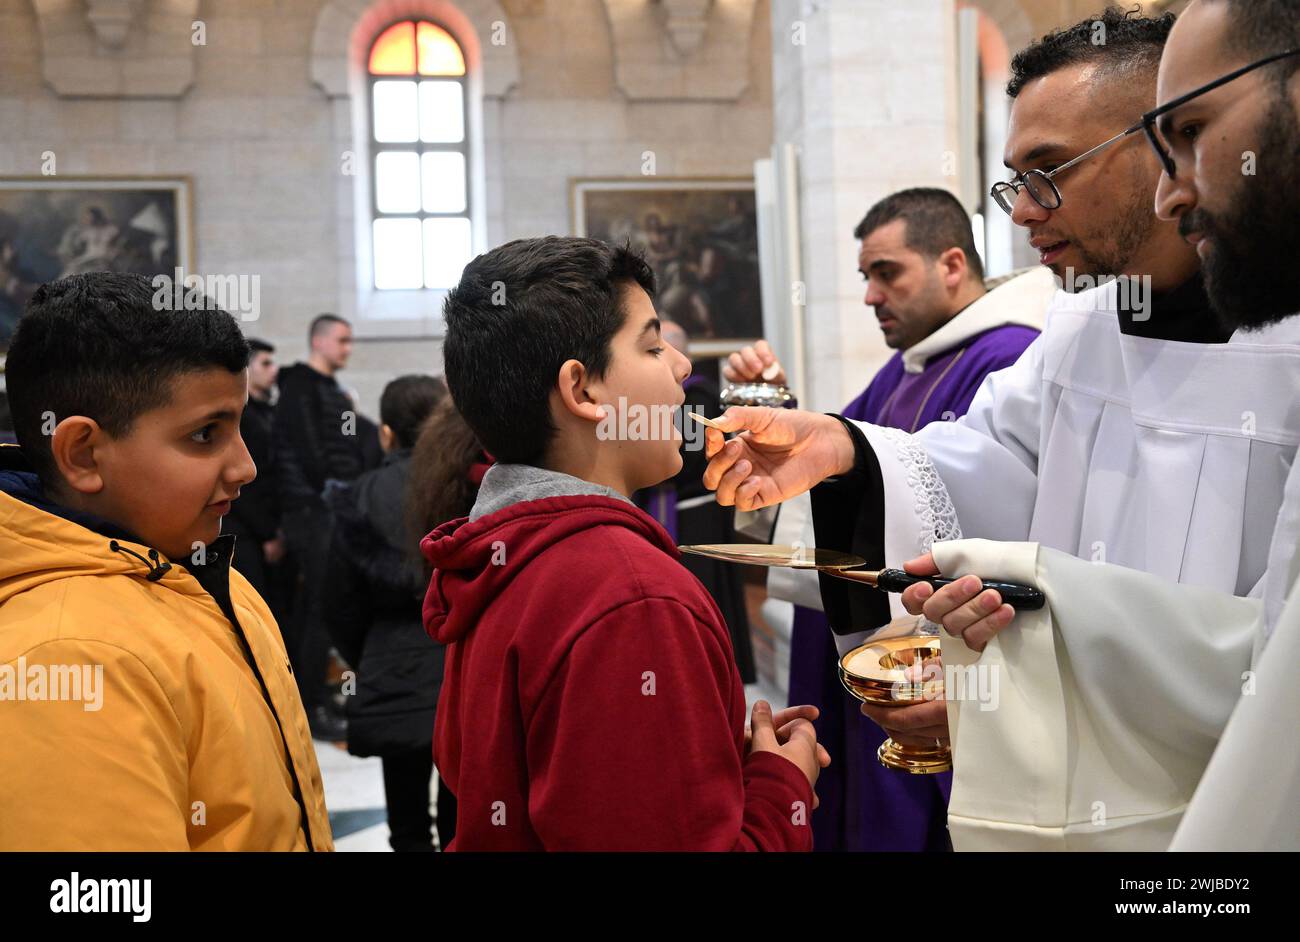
[[1021, 597]]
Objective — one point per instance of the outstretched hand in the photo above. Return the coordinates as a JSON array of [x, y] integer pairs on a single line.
[[779, 454]]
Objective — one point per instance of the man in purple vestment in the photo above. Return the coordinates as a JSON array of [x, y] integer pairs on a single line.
[[926, 285]]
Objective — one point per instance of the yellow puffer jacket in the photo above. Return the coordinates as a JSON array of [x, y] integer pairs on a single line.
[[134, 715]]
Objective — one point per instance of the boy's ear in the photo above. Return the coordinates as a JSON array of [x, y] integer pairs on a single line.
[[572, 384], [73, 447]]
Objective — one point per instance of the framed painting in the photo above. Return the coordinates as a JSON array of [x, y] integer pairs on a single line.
[[701, 237], [51, 227]]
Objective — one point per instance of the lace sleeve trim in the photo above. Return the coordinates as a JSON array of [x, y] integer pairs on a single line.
[[934, 506]]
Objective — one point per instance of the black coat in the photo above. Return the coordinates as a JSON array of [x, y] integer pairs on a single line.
[[374, 593], [312, 441], [256, 513]]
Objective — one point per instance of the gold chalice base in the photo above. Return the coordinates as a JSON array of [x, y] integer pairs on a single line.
[[874, 673]]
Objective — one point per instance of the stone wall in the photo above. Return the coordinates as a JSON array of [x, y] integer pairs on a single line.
[[262, 141]]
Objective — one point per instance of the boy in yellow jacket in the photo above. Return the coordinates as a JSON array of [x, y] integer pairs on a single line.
[[146, 702]]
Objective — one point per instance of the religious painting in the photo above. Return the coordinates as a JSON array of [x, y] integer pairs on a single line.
[[701, 238], [51, 227]]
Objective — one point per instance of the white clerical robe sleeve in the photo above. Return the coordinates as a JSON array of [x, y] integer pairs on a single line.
[[889, 509], [1107, 704], [1249, 797], [978, 474]]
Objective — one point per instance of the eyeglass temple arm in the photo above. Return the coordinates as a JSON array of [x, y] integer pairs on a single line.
[[1150, 117], [1098, 149]]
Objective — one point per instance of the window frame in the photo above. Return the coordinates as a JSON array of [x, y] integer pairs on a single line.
[[418, 147]]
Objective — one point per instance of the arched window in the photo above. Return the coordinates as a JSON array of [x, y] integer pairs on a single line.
[[420, 194]]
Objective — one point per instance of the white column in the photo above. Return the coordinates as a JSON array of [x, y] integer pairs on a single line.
[[867, 91]]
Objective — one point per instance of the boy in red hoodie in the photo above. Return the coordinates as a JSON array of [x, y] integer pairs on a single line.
[[591, 700]]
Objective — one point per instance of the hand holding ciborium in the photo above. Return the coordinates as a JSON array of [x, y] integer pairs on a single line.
[[900, 665], [896, 672]]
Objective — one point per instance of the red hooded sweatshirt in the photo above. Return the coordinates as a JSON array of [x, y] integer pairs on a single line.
[[591, 699]]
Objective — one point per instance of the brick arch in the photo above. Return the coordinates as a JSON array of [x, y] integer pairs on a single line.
[[345, 29]]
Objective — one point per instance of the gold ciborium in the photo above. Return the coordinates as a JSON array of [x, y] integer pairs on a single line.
[[876, 672], [901, 664], [895, 672]]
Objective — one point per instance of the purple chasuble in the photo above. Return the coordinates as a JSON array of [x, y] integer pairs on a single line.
[[863, 805]]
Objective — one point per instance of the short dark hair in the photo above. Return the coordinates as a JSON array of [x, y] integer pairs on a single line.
[[1259, 28], [97, 345], [406, 402], [256, 346], [321, 322], [935, 221], [1131, 44], [519, 312]]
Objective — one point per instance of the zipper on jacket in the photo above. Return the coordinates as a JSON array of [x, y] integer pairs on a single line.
[[299, 796]]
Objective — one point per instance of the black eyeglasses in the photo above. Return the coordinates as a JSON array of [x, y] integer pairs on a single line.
[[1042, 188], [1148, 122]]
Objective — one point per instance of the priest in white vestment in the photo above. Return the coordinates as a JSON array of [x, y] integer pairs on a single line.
[[1114, 697], [1111, 703], [1100, 473]]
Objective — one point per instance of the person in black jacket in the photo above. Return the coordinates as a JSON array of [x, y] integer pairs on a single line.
[[255, 517], [374, 591], [7, 436], [446, 469], [318, 437]]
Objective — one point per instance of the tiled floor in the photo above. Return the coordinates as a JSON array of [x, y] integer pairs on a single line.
[[354, 795], [354, 789]]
